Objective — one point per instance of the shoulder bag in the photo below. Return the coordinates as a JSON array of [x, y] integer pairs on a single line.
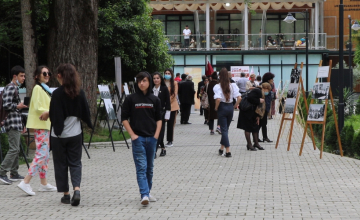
[[205, 99]]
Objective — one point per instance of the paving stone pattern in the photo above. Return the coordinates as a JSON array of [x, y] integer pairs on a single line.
[[193, 182]]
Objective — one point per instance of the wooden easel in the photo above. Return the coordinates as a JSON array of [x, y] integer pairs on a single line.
[[323, 123], [292, 119]]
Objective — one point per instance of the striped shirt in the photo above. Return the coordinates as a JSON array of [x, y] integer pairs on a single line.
[[10, 102]]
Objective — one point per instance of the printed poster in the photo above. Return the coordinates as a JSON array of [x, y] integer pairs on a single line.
[[236, 70]]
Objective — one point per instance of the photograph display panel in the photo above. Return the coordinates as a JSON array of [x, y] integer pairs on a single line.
[[316, 112], [104, 92], [110, 109], [321, 91], [290, 105], [292, 90], [295, 76], [323, 72]]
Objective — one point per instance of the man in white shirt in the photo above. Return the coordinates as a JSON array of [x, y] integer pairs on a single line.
[[187, 33], [241, 83]]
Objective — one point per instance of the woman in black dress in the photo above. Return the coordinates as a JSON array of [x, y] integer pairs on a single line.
[[161, 91], [249, 120]]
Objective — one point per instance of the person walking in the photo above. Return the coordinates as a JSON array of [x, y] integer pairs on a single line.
[[203, 91], [212, 113], [249, 120], [161, 91], [267, 78], [141, 117], [13, 126], [200, 84], [173, 90], [224, 94], [68, 106], [38, 120], [241, 83], [186, 97], [250, 85]]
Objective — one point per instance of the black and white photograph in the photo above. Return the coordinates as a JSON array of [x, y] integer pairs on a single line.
[[131, 87], [295, 76], [290, 105], [321, 90], [110, 109], [292, 90], [104, 91], [323, 72], [316, 112]]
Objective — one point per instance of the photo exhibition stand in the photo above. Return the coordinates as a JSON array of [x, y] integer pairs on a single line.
[[286, 116], [105, 98], [323, 122]]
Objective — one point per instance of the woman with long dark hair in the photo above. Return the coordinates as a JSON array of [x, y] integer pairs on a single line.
[[173, 89], [68, 107], [161, 91], [38, 120], [224, 93], [212, 112]]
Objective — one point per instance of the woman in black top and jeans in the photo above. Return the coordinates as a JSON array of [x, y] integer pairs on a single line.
[[67, 107], [161, 91]]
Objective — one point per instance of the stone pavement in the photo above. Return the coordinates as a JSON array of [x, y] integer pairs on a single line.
[[193, 182]]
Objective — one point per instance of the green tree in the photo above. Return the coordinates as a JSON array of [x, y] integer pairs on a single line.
[[126, 29]]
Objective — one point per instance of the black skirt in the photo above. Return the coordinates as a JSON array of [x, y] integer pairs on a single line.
[[247, 121]]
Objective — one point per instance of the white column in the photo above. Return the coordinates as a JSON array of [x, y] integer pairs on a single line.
[[207, 26], [246, 27], [316, 25]]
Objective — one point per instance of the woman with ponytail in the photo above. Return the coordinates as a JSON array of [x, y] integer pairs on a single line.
[[38, 120]]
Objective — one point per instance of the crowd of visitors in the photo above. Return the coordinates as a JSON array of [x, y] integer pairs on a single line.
[[55, 117]]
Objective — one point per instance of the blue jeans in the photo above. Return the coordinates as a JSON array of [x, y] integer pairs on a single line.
[[144, 149], [225, 115]]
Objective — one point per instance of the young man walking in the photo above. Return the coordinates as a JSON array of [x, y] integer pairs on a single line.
[[13, 126], [141, 117]]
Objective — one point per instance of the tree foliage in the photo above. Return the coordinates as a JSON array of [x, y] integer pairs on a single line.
[[126, 29]]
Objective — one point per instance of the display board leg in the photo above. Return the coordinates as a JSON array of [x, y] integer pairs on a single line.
[[86, 150], [122, 132], [112, 142], [24, 155], [303, 139], [97, 114], [281, 125]]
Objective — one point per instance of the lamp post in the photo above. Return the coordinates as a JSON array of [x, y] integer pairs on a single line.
[[290, 19], [341, 67], [354, 27]]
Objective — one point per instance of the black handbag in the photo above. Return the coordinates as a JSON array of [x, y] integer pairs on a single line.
[[245, 105]]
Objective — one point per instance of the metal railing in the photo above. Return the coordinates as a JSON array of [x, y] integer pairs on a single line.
[[269, 41]]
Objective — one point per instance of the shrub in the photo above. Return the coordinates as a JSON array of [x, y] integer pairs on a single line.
[[349, 139], [356, 144], [343, 137], [330, 136], [357, 106]]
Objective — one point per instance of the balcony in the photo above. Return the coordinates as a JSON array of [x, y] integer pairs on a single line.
[[269, 41]]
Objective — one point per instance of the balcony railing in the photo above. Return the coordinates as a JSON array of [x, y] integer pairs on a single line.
[[283, 41]]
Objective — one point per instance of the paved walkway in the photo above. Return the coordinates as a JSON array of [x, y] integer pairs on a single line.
[[193, 182]]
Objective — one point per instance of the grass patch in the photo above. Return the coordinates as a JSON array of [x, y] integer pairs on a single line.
[[102, 135]]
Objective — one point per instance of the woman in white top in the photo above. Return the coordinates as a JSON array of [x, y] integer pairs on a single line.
[[224, 93]]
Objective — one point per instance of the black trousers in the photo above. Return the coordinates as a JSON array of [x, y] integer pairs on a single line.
[[67, 155], [263, 125], [187, 42], [185, 112], [211, 124], [160, 142], [170, 126]]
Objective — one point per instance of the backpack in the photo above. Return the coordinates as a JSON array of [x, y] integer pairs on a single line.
[[245, 105], [3, 113]]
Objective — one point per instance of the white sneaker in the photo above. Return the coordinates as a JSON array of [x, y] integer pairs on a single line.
[[47, 188], [145, 200], [152, 198], [26, 188]]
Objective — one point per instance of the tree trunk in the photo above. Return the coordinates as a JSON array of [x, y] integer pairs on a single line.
[[73, 38], [29, 44]]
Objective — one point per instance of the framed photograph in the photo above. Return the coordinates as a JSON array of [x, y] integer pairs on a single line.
[[323, 72], [316, 112], [292, 90], [290, 105], [109, 109], [104, 91], [131, 87], [295, 76], [321, 90]]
